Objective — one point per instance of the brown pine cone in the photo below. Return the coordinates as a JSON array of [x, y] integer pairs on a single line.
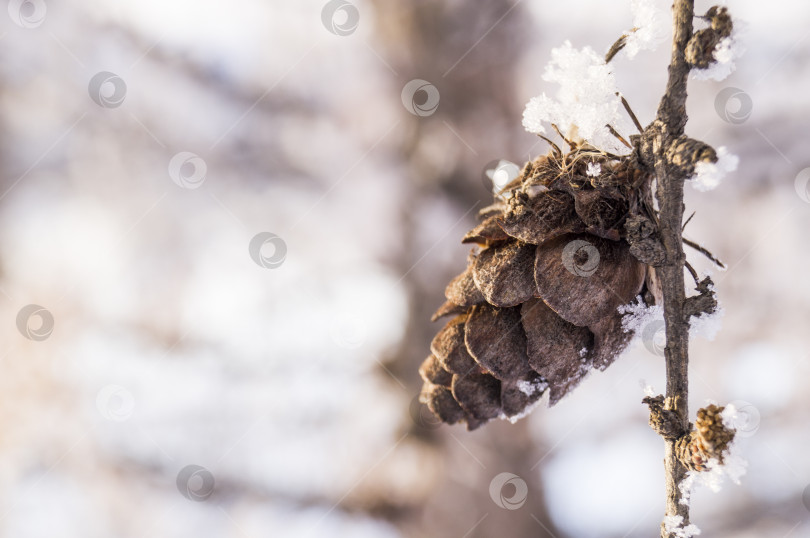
[[700, 49], [537, 307], [708, 440]]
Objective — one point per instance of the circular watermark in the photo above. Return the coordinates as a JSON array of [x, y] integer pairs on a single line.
[[733, 105], [27, 13], [420, 97], [654, 336], [340, 17], [348, 331], [746, 423], [802, 185], [35, 322], [580, 258], [498, 174], [107, 90], [115, 403], [187, 170], [195, 483], [498, 491], [258, 253], [422, 416]]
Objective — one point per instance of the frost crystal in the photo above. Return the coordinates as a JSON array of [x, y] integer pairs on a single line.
[[637, 316], [708, 175], [725, 53], [706, 325], [672, 524], [651, 22], [593, 170], [733, 419], [585, 103], [647, 388], [530, 388], [523, 414], [733, 466]]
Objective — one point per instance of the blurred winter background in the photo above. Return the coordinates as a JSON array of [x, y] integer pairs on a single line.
[[233, 231]]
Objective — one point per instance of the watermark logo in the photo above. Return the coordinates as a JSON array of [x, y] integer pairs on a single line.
[[746, 423], [348, 331], [580, 258], [195, 483], [654, 336], [115, 403], [35, 322], [733, 105], [107, 90], [420, 97], [258, 250], [802, 185], [498, 174], [187, 170], [340, 17], [499, 491], [422, 416], [27, 13]]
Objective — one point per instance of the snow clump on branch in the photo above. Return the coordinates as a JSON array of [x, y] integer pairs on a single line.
[[708, 175], [651, 23]]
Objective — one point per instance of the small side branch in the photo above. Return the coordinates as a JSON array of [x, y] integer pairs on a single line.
[[631, 114], [615, 133], [705, 252]]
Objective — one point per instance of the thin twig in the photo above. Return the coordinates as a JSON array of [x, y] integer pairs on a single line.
[[703, 250], [615, 133], [570, 144], [553, 145], [631, 113], [615, 48], [687, 220], [692, 272]]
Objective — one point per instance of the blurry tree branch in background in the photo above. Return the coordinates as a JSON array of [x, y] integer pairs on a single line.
[[444, 157]]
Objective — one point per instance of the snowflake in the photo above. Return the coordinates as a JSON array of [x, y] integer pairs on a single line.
[[672, 524]]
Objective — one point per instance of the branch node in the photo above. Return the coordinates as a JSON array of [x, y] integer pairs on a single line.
[[665, 418], [683, 153], [708, 440], [705, 302], [645, 245], [699, 51]]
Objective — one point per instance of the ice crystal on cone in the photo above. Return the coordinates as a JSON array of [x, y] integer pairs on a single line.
[[586, 101]]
